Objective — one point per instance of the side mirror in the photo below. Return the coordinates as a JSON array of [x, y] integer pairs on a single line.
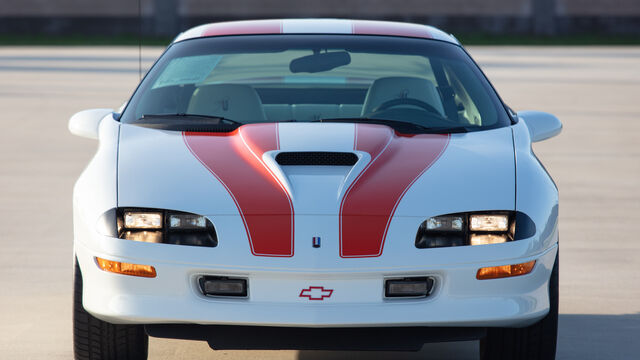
[[541, 125], [85, 123]]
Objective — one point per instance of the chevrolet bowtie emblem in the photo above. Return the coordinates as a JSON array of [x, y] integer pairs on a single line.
[[316, 293]]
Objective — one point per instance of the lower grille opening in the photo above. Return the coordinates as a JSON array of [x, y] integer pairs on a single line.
[[317, 158]]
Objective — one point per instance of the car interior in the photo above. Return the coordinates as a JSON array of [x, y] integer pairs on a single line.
[[246, 103]]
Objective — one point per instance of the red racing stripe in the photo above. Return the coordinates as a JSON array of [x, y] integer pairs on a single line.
[[235, 159], [369, 203], [364, 27], [244, 27]]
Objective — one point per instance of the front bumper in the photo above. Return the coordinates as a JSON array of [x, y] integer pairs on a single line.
[[457, 300]]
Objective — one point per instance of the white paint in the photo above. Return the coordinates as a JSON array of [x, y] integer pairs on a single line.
[[318, 26]]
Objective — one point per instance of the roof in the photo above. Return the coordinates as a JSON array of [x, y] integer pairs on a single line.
[[316, 26]]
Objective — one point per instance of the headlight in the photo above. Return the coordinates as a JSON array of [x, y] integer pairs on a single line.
[[445, 223], [142, 220], [143, 236], [187, 221], [488, 222], [467, 229], [158, 226], [485, 239]]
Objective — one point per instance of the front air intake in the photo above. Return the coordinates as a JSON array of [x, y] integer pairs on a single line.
[[317, 158]]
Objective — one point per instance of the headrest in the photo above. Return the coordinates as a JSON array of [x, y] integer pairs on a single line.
[[397, 87], [233, 101]]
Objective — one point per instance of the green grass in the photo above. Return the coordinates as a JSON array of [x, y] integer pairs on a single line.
[[466, 39]]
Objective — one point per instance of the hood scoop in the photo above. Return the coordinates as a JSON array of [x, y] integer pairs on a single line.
[[316, 158]]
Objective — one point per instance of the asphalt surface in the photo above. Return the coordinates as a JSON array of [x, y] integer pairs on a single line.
[[595, 162]]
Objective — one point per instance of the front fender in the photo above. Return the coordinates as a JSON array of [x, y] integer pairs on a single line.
[[95, 190], [536, 193]]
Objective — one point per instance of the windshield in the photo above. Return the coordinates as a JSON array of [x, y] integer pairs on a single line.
[[274, 78]]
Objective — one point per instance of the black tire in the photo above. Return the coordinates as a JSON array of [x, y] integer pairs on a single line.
[[94, 339], [535, 342]]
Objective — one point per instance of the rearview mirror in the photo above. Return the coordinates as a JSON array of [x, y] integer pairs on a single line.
[[320, 62], [85, 123], [541, 125]]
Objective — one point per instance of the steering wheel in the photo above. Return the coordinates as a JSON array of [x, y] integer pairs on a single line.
[[406, 101]]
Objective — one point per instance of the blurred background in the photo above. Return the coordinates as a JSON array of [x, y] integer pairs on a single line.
[[165, 18], [578, 59]]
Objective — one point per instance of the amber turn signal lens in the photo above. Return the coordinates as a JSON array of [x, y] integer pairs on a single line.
[[497, 272], [126, 268]]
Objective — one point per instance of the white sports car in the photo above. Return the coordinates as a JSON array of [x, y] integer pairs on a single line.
[[315, 184]]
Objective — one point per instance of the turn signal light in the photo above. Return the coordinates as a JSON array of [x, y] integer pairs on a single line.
[[126, 268], [497, 272]]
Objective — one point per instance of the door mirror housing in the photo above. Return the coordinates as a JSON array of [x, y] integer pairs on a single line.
[[85, 123], [541, 125]]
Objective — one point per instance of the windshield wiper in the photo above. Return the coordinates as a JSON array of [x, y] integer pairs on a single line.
[[188, 122], [197, 117], [401, 126], [447, 130]]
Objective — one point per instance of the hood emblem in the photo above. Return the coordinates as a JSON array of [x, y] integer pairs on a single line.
[[316, 293], [316, 242]]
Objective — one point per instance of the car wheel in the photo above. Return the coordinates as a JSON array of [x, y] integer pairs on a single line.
[[94, 339], [535, 342]]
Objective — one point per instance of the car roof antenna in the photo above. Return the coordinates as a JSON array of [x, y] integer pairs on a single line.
[[140, 39]]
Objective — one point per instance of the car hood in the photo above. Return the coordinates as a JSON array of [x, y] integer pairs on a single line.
[[215, 173], [237, 174]]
